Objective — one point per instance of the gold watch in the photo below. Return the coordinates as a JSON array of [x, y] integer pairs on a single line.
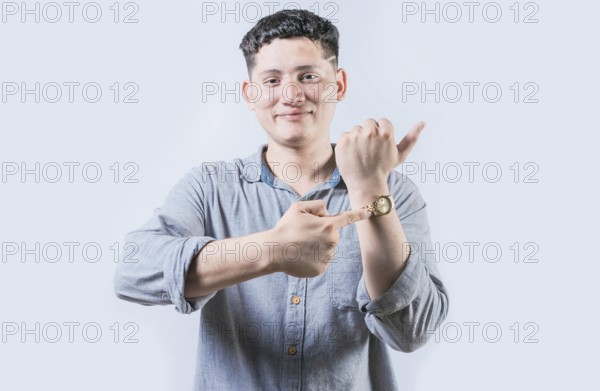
[[381, 206]]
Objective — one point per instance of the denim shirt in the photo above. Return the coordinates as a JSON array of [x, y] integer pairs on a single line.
[[279, 332]]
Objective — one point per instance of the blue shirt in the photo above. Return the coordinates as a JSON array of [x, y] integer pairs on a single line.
[[279, 332]]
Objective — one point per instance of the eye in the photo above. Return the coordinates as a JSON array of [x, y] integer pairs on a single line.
[[310, 77], [271, 81]]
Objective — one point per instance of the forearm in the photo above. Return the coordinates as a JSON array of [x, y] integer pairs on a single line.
[[223, 263], [383, 244]]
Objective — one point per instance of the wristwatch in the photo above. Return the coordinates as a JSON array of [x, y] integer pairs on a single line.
[[381, 206]]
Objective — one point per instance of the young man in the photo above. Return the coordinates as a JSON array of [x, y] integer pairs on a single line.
[[298, 254]]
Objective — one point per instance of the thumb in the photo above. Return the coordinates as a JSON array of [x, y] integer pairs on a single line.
[[314, 207], [408, 142]]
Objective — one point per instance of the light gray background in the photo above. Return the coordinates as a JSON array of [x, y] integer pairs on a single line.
[[171, 52]]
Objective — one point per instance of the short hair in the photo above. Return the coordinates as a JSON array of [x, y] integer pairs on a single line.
[[289, 24]]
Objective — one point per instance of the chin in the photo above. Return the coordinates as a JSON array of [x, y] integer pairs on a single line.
[[291, 129], [288, 137]]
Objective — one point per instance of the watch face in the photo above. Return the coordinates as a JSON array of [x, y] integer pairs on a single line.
[[383, 205]]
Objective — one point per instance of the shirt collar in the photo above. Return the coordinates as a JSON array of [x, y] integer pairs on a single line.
[[256, 169]]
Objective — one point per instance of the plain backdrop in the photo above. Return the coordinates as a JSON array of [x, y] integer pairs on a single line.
[[506, 164]]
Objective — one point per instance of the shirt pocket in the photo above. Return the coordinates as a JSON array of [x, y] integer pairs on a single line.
[[345, 270]]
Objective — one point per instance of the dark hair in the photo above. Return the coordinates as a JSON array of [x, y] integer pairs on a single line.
[[289, 24]]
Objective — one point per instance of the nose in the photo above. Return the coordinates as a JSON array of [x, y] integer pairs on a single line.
[[293, 93]]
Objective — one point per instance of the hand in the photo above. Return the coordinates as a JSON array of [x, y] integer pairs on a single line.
[[307, 236], [368, 153]]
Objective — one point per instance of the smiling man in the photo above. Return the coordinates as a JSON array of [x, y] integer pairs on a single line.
[[303, 279]]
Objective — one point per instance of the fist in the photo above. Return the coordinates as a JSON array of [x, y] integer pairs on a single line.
[[368, 153]]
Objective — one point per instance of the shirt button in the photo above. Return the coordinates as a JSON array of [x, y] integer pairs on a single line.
[[295, 299], [292, 350]]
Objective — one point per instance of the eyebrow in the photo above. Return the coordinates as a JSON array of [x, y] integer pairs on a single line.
[[298, 68]]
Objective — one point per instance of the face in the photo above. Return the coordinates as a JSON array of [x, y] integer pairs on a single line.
[[294, 91]]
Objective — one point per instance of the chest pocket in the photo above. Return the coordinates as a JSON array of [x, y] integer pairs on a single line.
[[345, 270]]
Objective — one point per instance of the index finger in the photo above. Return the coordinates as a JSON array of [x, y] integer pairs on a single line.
[[350, 216], [314, 207]]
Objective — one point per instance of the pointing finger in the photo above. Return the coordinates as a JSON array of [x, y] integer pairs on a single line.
[[349, 217]]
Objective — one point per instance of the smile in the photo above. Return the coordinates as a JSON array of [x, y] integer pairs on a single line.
[[294, 116]]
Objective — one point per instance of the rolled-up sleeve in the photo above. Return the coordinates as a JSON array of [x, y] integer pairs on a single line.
[[409, 312], [153, 273]]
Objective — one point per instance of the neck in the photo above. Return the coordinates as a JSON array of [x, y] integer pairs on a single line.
[[307, 164]]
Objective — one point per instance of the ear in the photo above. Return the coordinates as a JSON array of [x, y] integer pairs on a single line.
[[341, 80], [251, 93]]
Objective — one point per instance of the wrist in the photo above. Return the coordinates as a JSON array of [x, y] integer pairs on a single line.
[[258, 249], [366, 194], [271, 248]]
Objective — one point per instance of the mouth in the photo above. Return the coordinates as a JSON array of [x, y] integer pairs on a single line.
[[294, 115]]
